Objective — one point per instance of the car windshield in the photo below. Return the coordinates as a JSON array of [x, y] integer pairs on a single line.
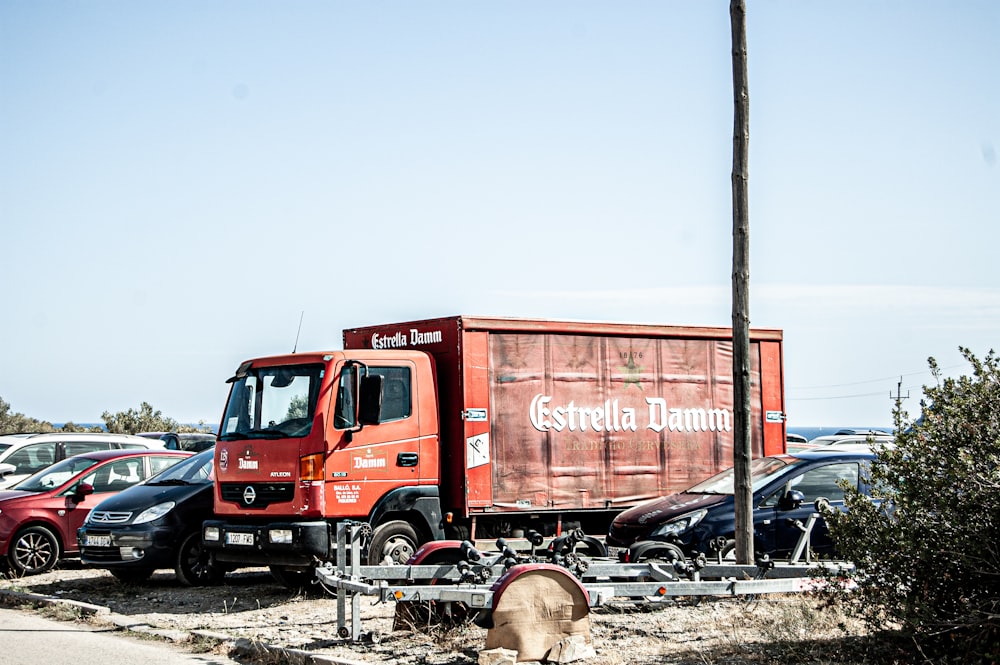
[[272, 402], [55, 475], [762, 471], [195, 470]]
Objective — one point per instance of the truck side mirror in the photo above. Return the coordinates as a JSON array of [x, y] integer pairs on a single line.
[[370, 400]]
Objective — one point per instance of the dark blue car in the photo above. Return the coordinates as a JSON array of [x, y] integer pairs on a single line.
[[155, 525], [702, 518]]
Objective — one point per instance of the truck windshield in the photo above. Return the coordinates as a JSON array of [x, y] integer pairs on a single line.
[[272, 402]]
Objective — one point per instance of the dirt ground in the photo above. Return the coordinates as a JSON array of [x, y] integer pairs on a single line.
[[250, 604]]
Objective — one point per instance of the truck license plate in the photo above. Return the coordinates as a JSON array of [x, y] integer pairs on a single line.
[[233, 538], [97, 541]]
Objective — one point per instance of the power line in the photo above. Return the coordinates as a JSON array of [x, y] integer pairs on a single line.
[[859, 383], [813, 399]]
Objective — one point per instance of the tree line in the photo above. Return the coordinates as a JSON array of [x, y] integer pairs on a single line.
[[130, 421]]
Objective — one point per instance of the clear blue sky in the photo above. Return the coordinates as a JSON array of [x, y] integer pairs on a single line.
[[180, 180]]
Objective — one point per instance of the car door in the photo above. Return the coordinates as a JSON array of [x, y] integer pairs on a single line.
[[782, 527]]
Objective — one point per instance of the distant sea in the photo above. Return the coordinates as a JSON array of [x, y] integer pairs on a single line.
[[812, 432]]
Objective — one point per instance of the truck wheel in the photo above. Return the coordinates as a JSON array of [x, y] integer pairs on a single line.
[[194, 566], [392, 543], [32, 551]]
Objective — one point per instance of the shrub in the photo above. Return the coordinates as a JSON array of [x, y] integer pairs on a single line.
[[927, 556]]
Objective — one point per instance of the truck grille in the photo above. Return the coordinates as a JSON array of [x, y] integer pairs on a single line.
[[257, 495]]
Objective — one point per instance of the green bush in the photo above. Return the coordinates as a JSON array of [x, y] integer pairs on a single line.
[[928, 555]]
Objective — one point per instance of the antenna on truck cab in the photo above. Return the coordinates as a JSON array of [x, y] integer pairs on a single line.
[[299, 332]]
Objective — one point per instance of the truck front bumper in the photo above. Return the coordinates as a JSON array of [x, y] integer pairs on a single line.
[[271, 544]]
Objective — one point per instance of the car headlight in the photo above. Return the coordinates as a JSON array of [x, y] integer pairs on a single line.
[[154, 513], [677, 526]]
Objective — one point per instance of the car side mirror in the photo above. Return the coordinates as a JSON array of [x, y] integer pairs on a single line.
[[83, 490], [7, 469], [791, 500]]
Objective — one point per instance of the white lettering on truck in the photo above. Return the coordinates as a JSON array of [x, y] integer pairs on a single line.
[[369, 463], [399, 339], [612, 417]]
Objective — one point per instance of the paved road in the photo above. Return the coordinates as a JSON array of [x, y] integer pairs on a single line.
[[26, 638]]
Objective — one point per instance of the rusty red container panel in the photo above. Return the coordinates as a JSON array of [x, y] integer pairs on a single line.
[[585, 422]]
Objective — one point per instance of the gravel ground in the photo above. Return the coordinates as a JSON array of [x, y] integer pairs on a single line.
[[770, 629]]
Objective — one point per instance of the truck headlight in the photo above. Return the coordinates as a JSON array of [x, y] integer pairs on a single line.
[[679, 525], [211, 533]]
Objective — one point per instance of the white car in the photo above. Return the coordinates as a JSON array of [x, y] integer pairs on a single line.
[[28, 453]]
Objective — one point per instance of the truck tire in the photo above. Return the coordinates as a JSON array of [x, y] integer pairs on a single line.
[[32, 551], [193, 566], [392, 543]]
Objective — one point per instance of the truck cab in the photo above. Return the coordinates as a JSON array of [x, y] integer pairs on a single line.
[[311, 439]]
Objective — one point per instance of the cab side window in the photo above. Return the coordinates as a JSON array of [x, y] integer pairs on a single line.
[[397, 392]]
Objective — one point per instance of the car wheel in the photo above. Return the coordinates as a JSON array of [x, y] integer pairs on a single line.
[[131, 575], [393, 543], [194, 565], [32, 551]]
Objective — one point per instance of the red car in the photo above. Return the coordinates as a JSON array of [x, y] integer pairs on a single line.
[[40, 516]]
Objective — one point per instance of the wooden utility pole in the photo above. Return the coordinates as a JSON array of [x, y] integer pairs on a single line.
[[741, 287]]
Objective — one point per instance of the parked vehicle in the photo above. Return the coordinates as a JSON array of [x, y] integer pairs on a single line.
[[474, 428], [785, 489], [32, 452], [796, 442], [867, 438], [39, 517], [192, 441], [156, 524]]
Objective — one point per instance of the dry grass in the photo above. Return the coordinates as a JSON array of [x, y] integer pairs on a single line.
[[770, 629]]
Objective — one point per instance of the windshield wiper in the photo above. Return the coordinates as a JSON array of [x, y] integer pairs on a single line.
[[170, 481], [266, 433]]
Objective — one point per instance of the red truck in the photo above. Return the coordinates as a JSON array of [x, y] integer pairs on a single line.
[[475, 428]]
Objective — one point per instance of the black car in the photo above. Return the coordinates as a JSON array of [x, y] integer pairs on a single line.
[[155, 525], [702, 518]]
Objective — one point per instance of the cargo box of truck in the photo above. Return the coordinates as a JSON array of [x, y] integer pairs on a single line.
[[474, 427]]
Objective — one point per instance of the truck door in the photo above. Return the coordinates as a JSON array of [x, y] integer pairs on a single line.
[[368, 463]]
